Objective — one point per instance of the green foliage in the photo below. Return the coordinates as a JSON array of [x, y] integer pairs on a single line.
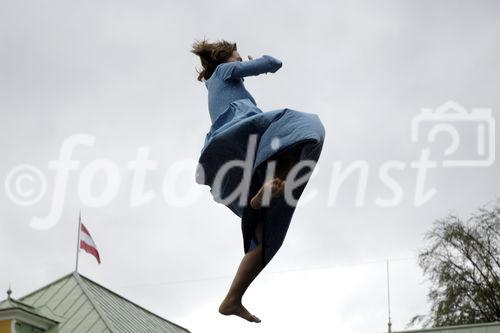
[[462, 261]]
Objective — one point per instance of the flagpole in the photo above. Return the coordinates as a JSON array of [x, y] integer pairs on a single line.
[[78, 240]]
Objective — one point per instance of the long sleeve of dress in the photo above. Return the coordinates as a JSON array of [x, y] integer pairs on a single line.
[[237, 69]]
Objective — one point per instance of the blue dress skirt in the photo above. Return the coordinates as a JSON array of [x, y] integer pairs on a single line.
[[275, 133]]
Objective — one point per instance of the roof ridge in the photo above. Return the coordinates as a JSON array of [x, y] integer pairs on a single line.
[[13, 300], [99, 311], [46, 286], [137, 305]]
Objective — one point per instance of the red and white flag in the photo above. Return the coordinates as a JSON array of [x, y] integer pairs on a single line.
[[87, 243]]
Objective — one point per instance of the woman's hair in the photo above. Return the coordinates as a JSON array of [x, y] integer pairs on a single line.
[[212, 55]]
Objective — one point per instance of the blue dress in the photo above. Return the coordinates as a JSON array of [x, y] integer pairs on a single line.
[[242, 132]]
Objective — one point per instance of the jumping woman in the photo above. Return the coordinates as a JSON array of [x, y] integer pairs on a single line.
[[258, 151]]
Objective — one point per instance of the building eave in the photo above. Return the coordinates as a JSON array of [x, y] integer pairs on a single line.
[[22, 315]]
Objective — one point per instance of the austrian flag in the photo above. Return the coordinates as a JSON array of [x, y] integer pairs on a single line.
[[87, 243]]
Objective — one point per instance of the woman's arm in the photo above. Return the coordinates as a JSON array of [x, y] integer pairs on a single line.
[[237, 69]]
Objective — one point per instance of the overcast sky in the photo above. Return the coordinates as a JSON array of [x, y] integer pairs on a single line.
[[121, 72]]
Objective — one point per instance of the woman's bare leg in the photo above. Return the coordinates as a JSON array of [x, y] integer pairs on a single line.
[[275, 186], [248, 270], [250, 265]]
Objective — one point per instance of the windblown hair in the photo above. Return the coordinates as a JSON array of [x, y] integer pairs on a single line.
[[212, 55]]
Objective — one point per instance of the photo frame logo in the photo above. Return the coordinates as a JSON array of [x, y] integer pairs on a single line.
[[445, 119]]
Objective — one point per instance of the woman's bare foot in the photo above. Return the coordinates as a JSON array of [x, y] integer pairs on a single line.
[[275, 186], [234, 307]]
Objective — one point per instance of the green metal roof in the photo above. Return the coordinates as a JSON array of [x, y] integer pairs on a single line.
[[83, 306], [472, 328], [11, 308]]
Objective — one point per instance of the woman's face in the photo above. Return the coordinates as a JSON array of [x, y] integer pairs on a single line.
[[235, 57]]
